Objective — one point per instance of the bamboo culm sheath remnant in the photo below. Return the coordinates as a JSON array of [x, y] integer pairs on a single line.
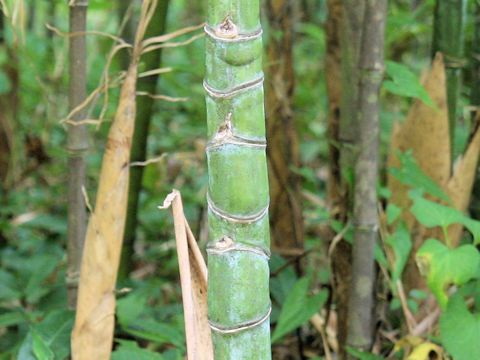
[[238, 197]]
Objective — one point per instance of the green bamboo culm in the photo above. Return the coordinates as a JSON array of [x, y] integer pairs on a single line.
[[475, 97], [238, 197], [448, 38]]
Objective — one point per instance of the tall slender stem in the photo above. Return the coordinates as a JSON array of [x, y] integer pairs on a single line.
[[77, 146], [344, 30], [145, 109], [283, 150], [475, 98], [448, 38], [365, 217], [238, 251]]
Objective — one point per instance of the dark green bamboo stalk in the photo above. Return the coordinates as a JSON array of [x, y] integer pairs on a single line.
[[286, 218], [145, 109], [448, 38], [365, 217], [77, 146], [344, 28], [238, 251], [475, 98]]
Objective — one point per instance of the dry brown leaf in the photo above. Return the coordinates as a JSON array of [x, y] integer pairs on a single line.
[[92, 335], [459, 187], [193, 279], [425, 131]]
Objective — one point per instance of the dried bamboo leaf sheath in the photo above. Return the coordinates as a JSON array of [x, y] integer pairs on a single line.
[[92, 335], [238, 251]]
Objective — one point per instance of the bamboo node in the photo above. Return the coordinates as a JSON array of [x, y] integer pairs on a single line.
[[249, 219], [226, 245], [240, 327], [227, 29]]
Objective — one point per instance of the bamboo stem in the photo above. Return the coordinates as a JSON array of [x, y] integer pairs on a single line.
[[283, 151], [77, 146], [365, 216], [475, 99], [145, 109], [238, 251], [448, 38]]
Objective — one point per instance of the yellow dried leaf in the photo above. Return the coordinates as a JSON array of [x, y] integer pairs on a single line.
[[426, 351]]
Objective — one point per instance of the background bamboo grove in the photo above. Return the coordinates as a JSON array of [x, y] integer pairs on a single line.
[[317, 162]]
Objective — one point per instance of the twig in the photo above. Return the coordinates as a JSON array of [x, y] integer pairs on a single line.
[[411, 322], [149, 161], [173, 44], [162, 97], [155, 72], [318, 323], [81, 33], [172, 35], [87, 201]]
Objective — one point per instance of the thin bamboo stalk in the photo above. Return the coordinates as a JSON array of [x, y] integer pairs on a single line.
[[92, 335], [448, 38], [475, 98], [77, 146], [283, 148], [344, 30], [238, 251], [365, 217], [145, 106]]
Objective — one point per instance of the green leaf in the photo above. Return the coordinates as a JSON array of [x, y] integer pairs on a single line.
[[393, 212], [431, 214], [10, 318], [130, 308], [129, 350], [474, 227], [157, 332], [404, 82], [459, 330], [401, 244], [409, 173], [50, 337], [40, 347], [443, 266], [8, 286], [361, 355], [298, 308], [5, 84]]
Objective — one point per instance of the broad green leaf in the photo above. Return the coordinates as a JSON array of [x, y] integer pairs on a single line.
[[130, 308], [129, 350], [404, 82], [282, 283], [8, 286], [459, 330], [393, 212], [431, 214], [40, 347], [298, 308], [401, 244], [443, 266], [10, 318], [361, 355], [157, 332], [52, 335], [409, 173], [474, 227]]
